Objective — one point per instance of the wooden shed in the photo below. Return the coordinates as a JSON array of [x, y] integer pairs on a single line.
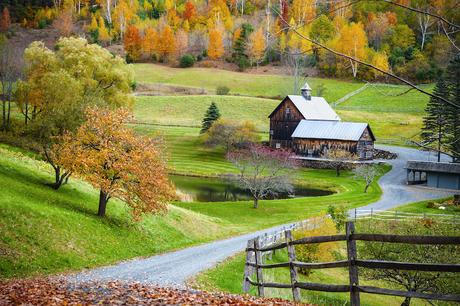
[[434, 174], [316, 138]]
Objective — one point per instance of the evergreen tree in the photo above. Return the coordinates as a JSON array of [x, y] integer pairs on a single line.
[[453, 85], [435, 122], [211, 115]]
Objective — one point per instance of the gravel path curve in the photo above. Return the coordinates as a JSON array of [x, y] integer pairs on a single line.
[[174, 268]]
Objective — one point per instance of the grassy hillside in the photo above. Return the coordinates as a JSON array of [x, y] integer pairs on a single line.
[[47, 231], [239, 82], [394, 114], [189, 110]]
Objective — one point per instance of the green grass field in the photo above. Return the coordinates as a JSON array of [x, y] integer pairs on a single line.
[[255, 85]]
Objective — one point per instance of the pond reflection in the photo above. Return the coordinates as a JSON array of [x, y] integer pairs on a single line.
[[198, 189]]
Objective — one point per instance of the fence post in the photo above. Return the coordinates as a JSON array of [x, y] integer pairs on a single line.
[[355, 214], [352, 268], [292, 268], [248, 270], [372, 212], [259, 273]]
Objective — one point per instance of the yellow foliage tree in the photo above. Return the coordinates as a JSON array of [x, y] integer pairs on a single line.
[[257, 46], [104, 35], [316, 252], [216, 44], [352, 41], [93, 25], [302, 11]]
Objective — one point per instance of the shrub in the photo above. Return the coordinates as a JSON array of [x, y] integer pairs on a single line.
[[186, 61], [316, 252], [199, 58], [222, 90]]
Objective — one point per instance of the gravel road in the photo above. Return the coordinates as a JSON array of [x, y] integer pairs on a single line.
[[174, 268]]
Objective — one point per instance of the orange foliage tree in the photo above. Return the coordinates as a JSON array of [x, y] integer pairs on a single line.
[[5, 20], [165, 43], [148, 42], [216, 44], [133, 42], [190, 11], [112, 158]]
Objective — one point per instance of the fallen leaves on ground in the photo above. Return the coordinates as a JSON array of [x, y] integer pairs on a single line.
[[53, 291]]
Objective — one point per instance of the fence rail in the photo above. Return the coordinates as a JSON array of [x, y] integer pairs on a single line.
[[254, 250], [396, 215]]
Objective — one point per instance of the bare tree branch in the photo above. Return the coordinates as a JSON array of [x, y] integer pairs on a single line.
[[368, 65], [413, 9]]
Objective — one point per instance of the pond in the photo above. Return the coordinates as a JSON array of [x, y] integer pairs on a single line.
[[198, 189]]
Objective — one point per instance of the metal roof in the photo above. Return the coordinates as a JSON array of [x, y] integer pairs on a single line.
[[306, 87], [433, 166], [315, 109], [338, 130]]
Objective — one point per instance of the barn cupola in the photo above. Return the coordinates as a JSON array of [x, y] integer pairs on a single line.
[[306, 92]]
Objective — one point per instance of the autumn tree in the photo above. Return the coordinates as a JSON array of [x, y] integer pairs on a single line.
[[181, 42], [165, 45], [262, 171], [103, 33], [352, 41], [189, 11], [5, 20], [10, 71], [64, 22], [302, 11], [231, 134], [132, 43], [216, 44], [148, 41], [112, 158], [58, 86], [257, 46]]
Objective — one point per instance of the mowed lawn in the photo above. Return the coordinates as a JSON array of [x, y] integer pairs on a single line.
[[389, 127], [255, 85], [189, 110]]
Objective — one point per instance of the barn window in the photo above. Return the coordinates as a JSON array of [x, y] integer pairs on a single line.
[[288, 113], [271, 132], [278, 145]]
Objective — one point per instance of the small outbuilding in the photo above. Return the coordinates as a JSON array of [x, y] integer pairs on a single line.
[[434, 174]]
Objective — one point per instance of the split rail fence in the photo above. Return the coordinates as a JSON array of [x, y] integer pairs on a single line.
[[395, 215], [255, 265]]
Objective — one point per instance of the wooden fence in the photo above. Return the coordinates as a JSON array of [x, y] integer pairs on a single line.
[[395, 215], [255, 265]]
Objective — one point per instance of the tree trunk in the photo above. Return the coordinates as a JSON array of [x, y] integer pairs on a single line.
[[337, 170], [103, 199], [256, 202], [365, 188], [59, 179], [406, 302]]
